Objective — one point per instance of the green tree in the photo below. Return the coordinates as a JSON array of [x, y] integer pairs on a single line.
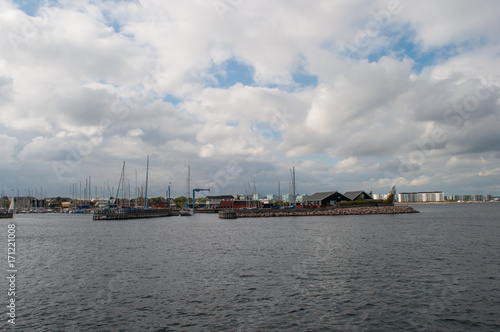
[[392, 195], [156, 200], [180, 201]]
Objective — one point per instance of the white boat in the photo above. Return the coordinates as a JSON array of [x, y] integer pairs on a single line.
[[185, 212], [11, 206]]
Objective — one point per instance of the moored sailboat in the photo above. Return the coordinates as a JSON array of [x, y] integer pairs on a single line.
[[10, 212], [124, 212]]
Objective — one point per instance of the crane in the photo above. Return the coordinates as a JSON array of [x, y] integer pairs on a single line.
[[197, 190]]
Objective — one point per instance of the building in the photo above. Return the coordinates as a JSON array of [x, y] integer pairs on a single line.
[[469, 198], [288, 198], [241, 204], [355, 195], [214, 202], [433, 196], [301, 198], [324, 199], [380, 196]]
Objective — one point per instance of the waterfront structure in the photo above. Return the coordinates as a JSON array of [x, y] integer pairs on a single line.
[[241, 204], [380, 196], [288, 198], [300, 198], [469, 198], [214, 202], [432, 196], [257, 197], [355, 195], [324, 199]]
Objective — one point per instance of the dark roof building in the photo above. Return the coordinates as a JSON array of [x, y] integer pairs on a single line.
[[355, 195], [325, 199]]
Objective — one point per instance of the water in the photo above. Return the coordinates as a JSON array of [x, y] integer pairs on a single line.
[[437, 270]]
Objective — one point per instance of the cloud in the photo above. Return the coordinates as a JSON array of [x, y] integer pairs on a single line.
[[7, 149], [354, 94]]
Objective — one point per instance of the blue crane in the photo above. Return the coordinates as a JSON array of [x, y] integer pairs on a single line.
[[195, 190]]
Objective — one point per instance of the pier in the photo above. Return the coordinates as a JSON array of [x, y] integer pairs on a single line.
[[227, 214], [131, 214], [6, 214]]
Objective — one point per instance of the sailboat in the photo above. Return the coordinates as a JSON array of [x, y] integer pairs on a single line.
[[11, 206], [122, 212], [186, 211], [10, 212]]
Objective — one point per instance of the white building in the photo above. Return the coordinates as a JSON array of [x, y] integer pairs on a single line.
[[433, 196], [380, 196], [469, 198]]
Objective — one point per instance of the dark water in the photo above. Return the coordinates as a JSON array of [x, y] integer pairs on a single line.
[[437, 270]]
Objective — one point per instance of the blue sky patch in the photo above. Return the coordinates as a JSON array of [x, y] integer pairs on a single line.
[[232, 72], [172, 100], [31, 7], [305, 80]]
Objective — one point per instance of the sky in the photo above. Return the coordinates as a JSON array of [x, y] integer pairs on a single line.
[[356, 95]]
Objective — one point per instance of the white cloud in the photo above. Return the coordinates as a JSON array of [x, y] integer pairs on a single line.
[[125, 79]]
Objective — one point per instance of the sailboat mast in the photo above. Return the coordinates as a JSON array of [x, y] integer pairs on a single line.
[[188, 185], [146, 192], [119, 184]]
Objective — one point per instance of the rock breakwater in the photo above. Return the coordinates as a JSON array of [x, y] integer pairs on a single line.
[[325, 212]]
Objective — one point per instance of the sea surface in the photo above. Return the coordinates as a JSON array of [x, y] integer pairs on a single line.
[[438, 270]]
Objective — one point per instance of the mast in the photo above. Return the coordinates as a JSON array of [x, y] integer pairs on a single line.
[[119, 184], [146, 192], [11, 206], [279, 192], [188, 192]]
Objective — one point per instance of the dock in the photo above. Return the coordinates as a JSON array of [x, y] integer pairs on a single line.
[[6, 214], [131, 214], [227, 214]]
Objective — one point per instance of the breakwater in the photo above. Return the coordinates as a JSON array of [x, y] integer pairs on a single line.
[[261, 213], [131, 214]]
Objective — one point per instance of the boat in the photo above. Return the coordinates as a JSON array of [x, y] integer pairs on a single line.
[[4, 214], [185, 212], [124, 212], [8, 214]]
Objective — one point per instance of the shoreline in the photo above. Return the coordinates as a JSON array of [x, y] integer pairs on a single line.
[[445, 202]]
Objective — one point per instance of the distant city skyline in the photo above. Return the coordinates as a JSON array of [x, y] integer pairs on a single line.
[[356, 95]]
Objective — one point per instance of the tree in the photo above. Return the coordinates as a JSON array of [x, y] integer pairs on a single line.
[[392, 195], [180, 201]]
